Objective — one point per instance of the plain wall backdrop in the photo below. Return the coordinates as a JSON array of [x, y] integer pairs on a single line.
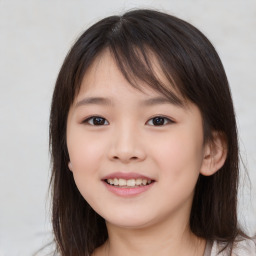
[[35, 36]]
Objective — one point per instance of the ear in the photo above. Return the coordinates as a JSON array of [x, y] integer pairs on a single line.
[[70, 166], [215, 154]]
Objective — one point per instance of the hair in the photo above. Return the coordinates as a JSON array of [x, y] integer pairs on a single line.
[[192, 66]]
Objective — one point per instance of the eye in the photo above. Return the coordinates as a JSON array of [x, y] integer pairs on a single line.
[[159, 121], [96, 120]]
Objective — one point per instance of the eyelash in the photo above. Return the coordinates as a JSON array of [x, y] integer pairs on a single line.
[[92, 118], [87, 120]]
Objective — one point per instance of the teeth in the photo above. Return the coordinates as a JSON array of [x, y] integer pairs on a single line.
[[122, 182], [138, 182], [128, 183], [131, 183]]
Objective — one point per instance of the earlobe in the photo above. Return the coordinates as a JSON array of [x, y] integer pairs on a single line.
[[215, 154], [70, 166]]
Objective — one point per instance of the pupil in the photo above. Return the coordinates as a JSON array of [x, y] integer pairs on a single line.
[[98, 121], [158, 121]]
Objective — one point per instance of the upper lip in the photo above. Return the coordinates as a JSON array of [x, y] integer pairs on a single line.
[[126, 176]]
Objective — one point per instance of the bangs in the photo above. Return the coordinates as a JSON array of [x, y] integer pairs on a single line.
[[152, 52], [140, 65], [139, 54]]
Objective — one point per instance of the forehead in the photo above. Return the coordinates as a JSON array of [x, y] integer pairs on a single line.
[[100, 73], [104, 76]]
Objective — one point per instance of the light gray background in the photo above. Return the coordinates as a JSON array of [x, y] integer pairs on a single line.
[[34, 38]]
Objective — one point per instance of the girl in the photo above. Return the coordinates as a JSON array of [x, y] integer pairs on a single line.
[[144, 143]]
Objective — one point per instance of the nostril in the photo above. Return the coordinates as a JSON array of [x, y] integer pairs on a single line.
[[126, 155], [128, 158]]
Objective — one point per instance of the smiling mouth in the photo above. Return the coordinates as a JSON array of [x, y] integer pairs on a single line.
[[130, 183]]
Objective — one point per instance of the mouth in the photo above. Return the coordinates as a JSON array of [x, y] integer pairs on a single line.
[[128, 183]]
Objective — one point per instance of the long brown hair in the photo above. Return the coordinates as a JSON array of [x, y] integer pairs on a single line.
[[191, 64]]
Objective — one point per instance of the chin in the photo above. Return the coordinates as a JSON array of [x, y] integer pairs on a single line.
[[130, 224], [129, 221]]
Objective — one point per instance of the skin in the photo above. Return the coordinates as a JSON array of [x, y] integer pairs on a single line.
[[155, 222]]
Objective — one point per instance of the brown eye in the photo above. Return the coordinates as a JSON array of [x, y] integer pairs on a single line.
[[96, 120], [159, 121]]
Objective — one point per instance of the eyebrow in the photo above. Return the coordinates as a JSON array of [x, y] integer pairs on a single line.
[[148, 102], [161, 100], [94, 101]]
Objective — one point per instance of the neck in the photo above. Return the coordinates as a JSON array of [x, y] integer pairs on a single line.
[[156, 240]]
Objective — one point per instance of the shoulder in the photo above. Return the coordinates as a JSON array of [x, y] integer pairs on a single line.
[[241, 247], [244, 247]]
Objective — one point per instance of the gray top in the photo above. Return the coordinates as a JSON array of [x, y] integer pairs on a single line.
[[246, 247]]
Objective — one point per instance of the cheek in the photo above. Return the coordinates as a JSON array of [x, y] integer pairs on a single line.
[[178, 149], [85, 151], [179, 157]]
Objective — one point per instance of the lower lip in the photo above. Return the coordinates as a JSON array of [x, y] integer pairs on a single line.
[[128, 192]]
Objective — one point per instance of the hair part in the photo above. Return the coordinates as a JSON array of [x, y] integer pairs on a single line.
[[194, 72]]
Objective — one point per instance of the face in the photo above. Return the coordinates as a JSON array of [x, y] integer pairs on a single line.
[[135, 156]]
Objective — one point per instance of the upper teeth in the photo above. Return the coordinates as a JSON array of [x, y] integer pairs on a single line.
[[129, 183]]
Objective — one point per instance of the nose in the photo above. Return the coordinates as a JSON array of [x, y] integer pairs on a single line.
[[126, 145]]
